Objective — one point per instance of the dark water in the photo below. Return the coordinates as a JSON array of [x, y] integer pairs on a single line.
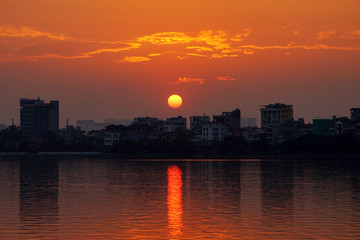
[[243, 199]]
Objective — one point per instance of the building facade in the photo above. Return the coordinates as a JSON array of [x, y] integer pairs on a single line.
[[355, 114], [196, 124], [214, 132], [174, 124], [231, 119], [273, 115], [36, 117]]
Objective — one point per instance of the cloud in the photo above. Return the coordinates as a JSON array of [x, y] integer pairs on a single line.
[[114, 50], [325, 34], [134, 59], [20, 43], [189, 80], [240, 37], [219, 55], [217, 40], [200, 48], [248, 51], [26, 32], [196, 55], [166, 38], [154, 54], [226, 78]]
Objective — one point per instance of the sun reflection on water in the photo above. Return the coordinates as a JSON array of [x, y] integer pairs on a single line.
[[174, 202]]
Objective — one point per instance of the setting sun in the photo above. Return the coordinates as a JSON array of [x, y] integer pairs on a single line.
[[175, 101]]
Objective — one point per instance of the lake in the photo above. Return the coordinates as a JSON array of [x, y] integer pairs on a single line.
[[80, 198]]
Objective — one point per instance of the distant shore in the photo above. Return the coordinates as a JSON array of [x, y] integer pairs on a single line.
[[4, 155]]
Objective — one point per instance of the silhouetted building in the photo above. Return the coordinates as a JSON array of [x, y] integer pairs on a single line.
[[196, 124], [251, 134], [145, 120], [2, 126], [324, 127], [174, 124], [355, 114], [214, 131], [230, 119], [273, 115], [36, 117]]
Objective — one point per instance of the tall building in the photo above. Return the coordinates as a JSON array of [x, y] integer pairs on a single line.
[[214, 132], [230, 119], [196, 122], [355, 114], [273, 115], [174, 124], [36, 117]]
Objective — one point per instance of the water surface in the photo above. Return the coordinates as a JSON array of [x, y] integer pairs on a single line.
[[189, 199]]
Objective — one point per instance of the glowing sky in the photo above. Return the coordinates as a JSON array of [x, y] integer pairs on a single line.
[[123, 58]]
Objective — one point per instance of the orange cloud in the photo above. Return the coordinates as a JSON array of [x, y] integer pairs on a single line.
[[154, 54], [226, 78], [189, 80], [134, 59], [114, 50], [240, 37], [200, 48], [219, 55], [325, 34], [196, 55], [26, 32], [33, 45], [248, 51], [166, 38]]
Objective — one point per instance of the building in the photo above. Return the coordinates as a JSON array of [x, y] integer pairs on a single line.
[[230, 119], [324, 127], [36, 117], [174, 124], [248, 122], [196, 124], [113, 134], [145, 120], [274, 115], [2, 126], [214, 132], [355, 114]]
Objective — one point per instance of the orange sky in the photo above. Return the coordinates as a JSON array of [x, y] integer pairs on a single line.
[[123, 58]]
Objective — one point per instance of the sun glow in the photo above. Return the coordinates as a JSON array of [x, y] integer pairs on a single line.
[[175, 101]]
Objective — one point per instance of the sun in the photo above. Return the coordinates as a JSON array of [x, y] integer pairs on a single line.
[[174, 101]]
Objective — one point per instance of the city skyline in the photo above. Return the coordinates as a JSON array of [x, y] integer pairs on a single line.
[[124, 59]]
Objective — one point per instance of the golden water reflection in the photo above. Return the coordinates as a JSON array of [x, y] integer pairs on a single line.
[[174, 202]]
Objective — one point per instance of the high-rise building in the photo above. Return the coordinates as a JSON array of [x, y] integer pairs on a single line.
[[273, 115], [230, 119], [174, 124], [36, 117], [355, 114], [196, 122]]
